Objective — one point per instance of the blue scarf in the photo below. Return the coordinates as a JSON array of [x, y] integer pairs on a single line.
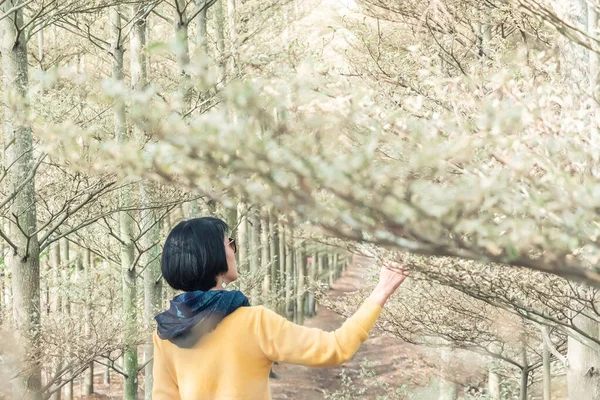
[[194, 314]]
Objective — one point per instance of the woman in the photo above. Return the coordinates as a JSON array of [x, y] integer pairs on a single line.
[[211, 344]]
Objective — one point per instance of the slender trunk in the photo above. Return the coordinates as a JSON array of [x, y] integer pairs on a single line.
[[3, 283], [182, 53], [8, 295], [3, 311], [289, 274], [320, 266], [311, 294], [65, 257], [23, 261], [547, 377], [274, 256], [583, 380], [300, 284], [46, 270], [68, 388], [265, 257], [524, 384], [254, 249], [242, 236], [65, 300], [88, 379], [333, 268], [295, 281], [150, 259], [55, 297], [524, 371], [340, 266], [231, 217], [106, 375], [493, 382], [201, 20], [448, 387], [232, 35], [130, 359], [220, 22], [286, 24], [152, 281], [56, 274], [282, 267], [594, 63], [281, 251]]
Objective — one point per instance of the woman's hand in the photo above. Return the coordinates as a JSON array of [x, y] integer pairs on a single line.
[[389, 281]]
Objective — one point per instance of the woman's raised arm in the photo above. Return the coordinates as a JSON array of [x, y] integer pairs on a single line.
[[284, 341]]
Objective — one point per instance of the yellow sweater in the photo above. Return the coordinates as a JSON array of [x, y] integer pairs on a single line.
[[234, 360]]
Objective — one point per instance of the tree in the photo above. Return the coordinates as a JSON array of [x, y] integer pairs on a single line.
[[20, 166]]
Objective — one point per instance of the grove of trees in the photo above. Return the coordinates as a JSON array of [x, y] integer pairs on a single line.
[[457, 139]]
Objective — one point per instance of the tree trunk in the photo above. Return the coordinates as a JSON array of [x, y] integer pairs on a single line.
[[333, 268], [106, 375], [311, 294], [321, 267], [3, 309], [289, 274], [7, 293], [547, 377], [265, 257], [594, 63], [274, 256], [232, 35], [65, 301], [130, 360], [448, 387], [150, 259], [220, 22], [231, 217], [55, 297], [242, 245], [56, 274], [181, 36], [254, 249], [300, 284], [88, 379], [23, 260], [583, 377], [493, 382], [152, 281], [65, 258], [201, 21], [524, 384], [282, 267], [525, 371]]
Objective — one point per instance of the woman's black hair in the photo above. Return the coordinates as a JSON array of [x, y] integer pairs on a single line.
[[194, 254]]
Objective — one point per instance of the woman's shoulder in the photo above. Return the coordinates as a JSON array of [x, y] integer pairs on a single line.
[[253, 310], [254, 314]]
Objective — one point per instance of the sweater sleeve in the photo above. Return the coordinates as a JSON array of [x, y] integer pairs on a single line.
[[164, 386], [284, 341]]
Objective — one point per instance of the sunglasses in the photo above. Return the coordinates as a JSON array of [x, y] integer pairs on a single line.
[[233, 245]]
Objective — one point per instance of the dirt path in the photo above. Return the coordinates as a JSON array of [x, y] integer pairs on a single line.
[[397, 359]]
